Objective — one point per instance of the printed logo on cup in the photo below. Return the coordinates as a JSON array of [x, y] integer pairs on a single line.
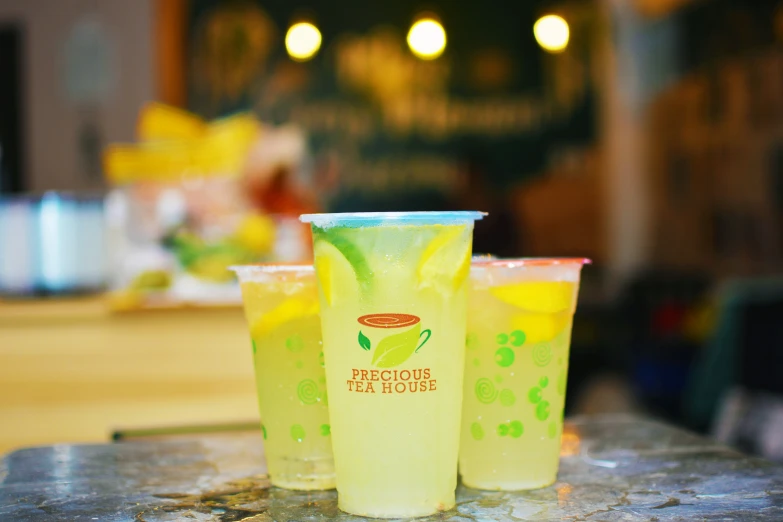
[[397, 338], [396, 348]]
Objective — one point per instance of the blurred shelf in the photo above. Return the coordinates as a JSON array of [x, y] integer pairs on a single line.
[[91, 307], [71, 370], [53, 308]]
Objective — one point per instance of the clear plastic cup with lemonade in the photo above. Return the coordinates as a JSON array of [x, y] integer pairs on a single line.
[[281, 307], [519, 330], [393, 295]]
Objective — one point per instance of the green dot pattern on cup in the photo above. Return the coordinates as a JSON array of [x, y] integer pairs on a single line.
[[321, 360], [471, 341], [299, 365], [485, 391], [307, 391], [297, 432], [253, 344], [324, 398], [507, 398], [504, 357], [542, 353], [263, 431], [476, 431], [518, 337], [534, 395], [326, 430], [513, 429], [294, 344], [542, 410]]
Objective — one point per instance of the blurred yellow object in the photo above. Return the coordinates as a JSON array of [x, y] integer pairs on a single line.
[[214, 267], [152, 280], [220, 151], [125, 300], [256, 234], [163, 122]]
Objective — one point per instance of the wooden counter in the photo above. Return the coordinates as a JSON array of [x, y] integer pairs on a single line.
[[72, 371]]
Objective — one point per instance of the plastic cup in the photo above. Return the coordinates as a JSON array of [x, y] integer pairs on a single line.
[[281, 307], [393, 293], [519, 331]]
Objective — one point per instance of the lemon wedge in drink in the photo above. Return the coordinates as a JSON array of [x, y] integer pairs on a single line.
[[288, 310], [445, 262], [540, 327], [341, 270], [547, 297]]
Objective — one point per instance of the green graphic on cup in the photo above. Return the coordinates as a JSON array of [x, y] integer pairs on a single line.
[[535, 395], [395, 349]]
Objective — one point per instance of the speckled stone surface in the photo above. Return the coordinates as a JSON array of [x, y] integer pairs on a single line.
[[612, 469]]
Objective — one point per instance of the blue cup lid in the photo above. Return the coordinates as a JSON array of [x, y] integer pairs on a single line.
[[379, 219]]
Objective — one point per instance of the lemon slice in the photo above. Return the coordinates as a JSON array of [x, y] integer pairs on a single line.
[[540, 327], [445, 263], [288, 310], [336, 275], [538, 296]]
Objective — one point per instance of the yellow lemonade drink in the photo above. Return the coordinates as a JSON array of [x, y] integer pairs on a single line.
[[519, 330], [281, 307], [393, 294]]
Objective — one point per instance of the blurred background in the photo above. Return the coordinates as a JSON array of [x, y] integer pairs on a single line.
[[147, 145]]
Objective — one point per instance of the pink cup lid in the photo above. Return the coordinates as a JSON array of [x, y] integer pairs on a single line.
[[531, 261]]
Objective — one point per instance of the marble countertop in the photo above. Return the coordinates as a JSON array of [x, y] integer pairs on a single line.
[[612, 469]]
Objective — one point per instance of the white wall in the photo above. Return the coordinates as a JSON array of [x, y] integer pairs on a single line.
[[52, 116]]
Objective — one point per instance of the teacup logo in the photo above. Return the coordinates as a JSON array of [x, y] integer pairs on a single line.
[[397, 348]]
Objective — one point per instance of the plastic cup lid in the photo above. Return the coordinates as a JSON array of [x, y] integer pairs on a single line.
[[529, 261], [247, 272], [375, 219]]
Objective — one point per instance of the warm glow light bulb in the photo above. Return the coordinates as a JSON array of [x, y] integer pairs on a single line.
[[302, 41], [427, 39], [551, 33]]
